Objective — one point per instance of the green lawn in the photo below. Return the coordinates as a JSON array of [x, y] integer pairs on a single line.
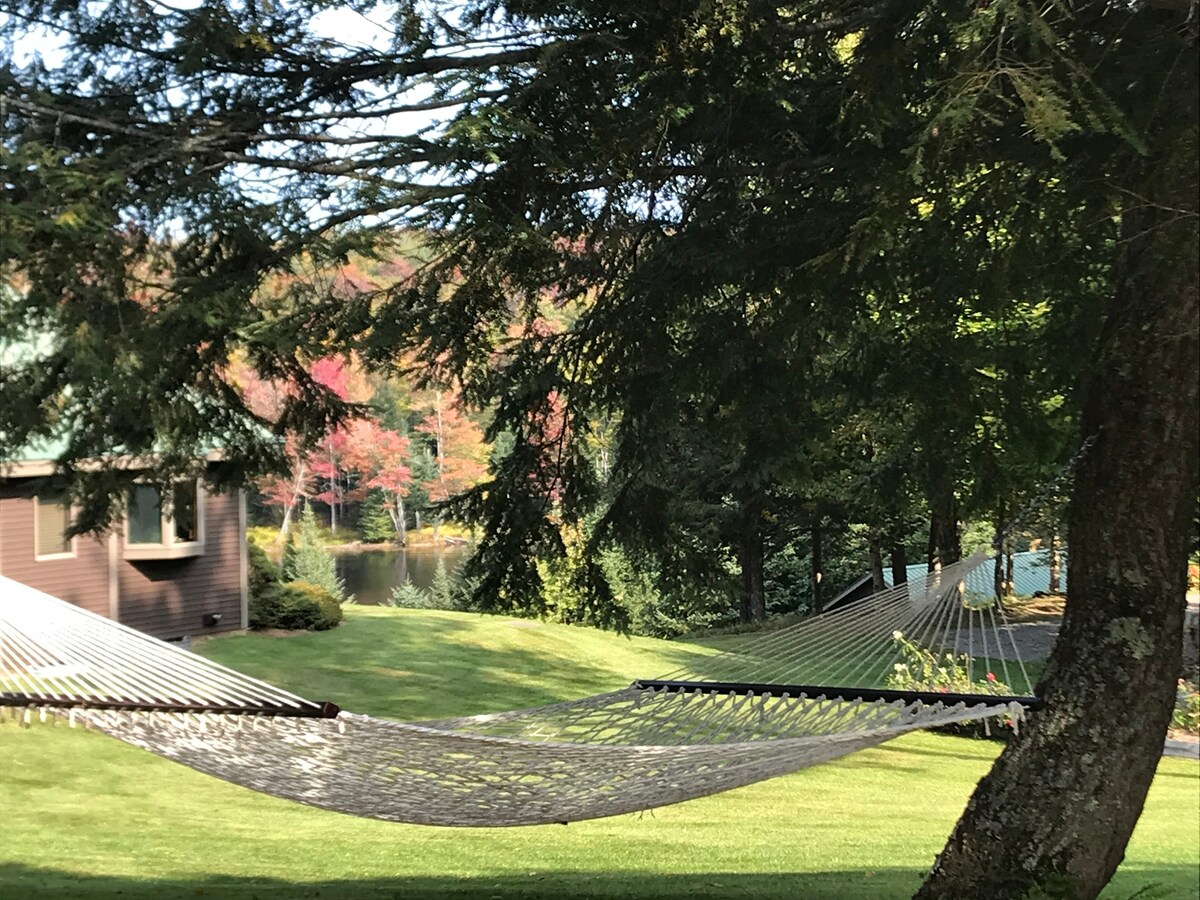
[[85, 816]]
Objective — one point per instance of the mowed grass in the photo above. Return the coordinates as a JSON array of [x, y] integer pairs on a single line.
[[85, 816]]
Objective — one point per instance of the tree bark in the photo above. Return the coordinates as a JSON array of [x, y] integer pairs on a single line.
[[817, 563], [398, 520], [1056, 811], [750, 558], [899, 564], [945, 544], [876, 555]]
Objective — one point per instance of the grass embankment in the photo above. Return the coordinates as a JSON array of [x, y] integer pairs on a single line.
[[84, 816]]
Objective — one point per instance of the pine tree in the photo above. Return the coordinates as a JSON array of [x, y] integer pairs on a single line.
[[409, 596], [306, 559], [374, 524], [442, 588]]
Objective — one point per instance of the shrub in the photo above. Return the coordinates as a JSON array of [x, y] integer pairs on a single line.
[[263, 573], [442, 594], [923, 670], [295, 606], [1186, 716], [409, 596]]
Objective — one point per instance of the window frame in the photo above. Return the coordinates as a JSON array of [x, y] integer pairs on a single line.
[[72, 543], [168, 547]]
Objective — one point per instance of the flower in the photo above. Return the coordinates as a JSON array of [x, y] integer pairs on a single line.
[[991, 677]]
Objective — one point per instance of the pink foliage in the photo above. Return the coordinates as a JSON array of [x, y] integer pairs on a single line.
[[378, 455], [460, 452], [332, 373]]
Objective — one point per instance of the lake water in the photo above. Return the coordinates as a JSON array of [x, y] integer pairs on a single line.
[[370, 575]]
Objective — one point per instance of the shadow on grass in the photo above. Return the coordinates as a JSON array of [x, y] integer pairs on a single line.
[[28, 882], [433, 665], [23, 881]]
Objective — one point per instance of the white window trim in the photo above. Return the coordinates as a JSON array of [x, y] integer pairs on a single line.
[[169, 548], [73, 543]]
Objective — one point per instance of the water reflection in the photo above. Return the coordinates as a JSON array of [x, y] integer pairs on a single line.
[[371, 574]]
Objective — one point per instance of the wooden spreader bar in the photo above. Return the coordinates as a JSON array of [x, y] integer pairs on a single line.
[[318, 711], [833, 693]]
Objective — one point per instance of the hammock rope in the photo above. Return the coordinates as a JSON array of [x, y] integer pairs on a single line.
[[776, 703]]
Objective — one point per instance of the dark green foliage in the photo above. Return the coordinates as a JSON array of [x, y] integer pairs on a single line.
[[264, 574], [374, 524], [295, 606], [788, 582], [424, 470], [813, 267]]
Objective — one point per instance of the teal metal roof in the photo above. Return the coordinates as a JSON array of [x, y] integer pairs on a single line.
[[1031, 572]]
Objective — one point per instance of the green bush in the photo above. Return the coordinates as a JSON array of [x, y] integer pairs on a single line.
[[409, 596], [263, 573], [1186, 716], [924, 670], [295, 606]]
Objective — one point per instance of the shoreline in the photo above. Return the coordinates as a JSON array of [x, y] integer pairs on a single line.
[[276, 547]]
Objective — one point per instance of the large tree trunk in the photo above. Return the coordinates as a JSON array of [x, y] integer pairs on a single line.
[[945, 542], [750, 558], [899, 564], [817, 564], [402, 521], [875, 552], [1057, 809]]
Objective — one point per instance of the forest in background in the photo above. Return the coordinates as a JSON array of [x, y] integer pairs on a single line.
[[833, 263]]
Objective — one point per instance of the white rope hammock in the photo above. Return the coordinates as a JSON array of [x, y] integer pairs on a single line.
[[729, 720]]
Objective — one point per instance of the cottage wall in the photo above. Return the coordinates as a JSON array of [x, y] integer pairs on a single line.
[[83, 579], [168, 598], [171, 597]]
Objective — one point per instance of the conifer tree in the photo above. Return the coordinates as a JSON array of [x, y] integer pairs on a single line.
[[442, 588], [374, 524], [306, 559]]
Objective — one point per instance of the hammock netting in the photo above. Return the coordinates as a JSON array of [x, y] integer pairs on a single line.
[[920, 655]]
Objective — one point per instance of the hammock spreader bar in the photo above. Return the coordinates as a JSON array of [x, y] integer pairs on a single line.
[[868, 695], [315, 711]]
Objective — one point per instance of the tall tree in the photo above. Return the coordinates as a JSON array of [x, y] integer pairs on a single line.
[[380, 459], [716, 190], [1109, 683]]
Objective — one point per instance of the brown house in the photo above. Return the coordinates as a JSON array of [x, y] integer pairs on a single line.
[[171, 576]]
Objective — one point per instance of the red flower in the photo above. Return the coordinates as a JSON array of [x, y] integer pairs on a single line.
[[991, 677]]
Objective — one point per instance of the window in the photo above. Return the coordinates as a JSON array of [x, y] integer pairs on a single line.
[[152, 533], [51, 519], [145, 515]]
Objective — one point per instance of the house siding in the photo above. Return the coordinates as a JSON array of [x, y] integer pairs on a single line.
[[167, 598], [81, 579], [170, 597]]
